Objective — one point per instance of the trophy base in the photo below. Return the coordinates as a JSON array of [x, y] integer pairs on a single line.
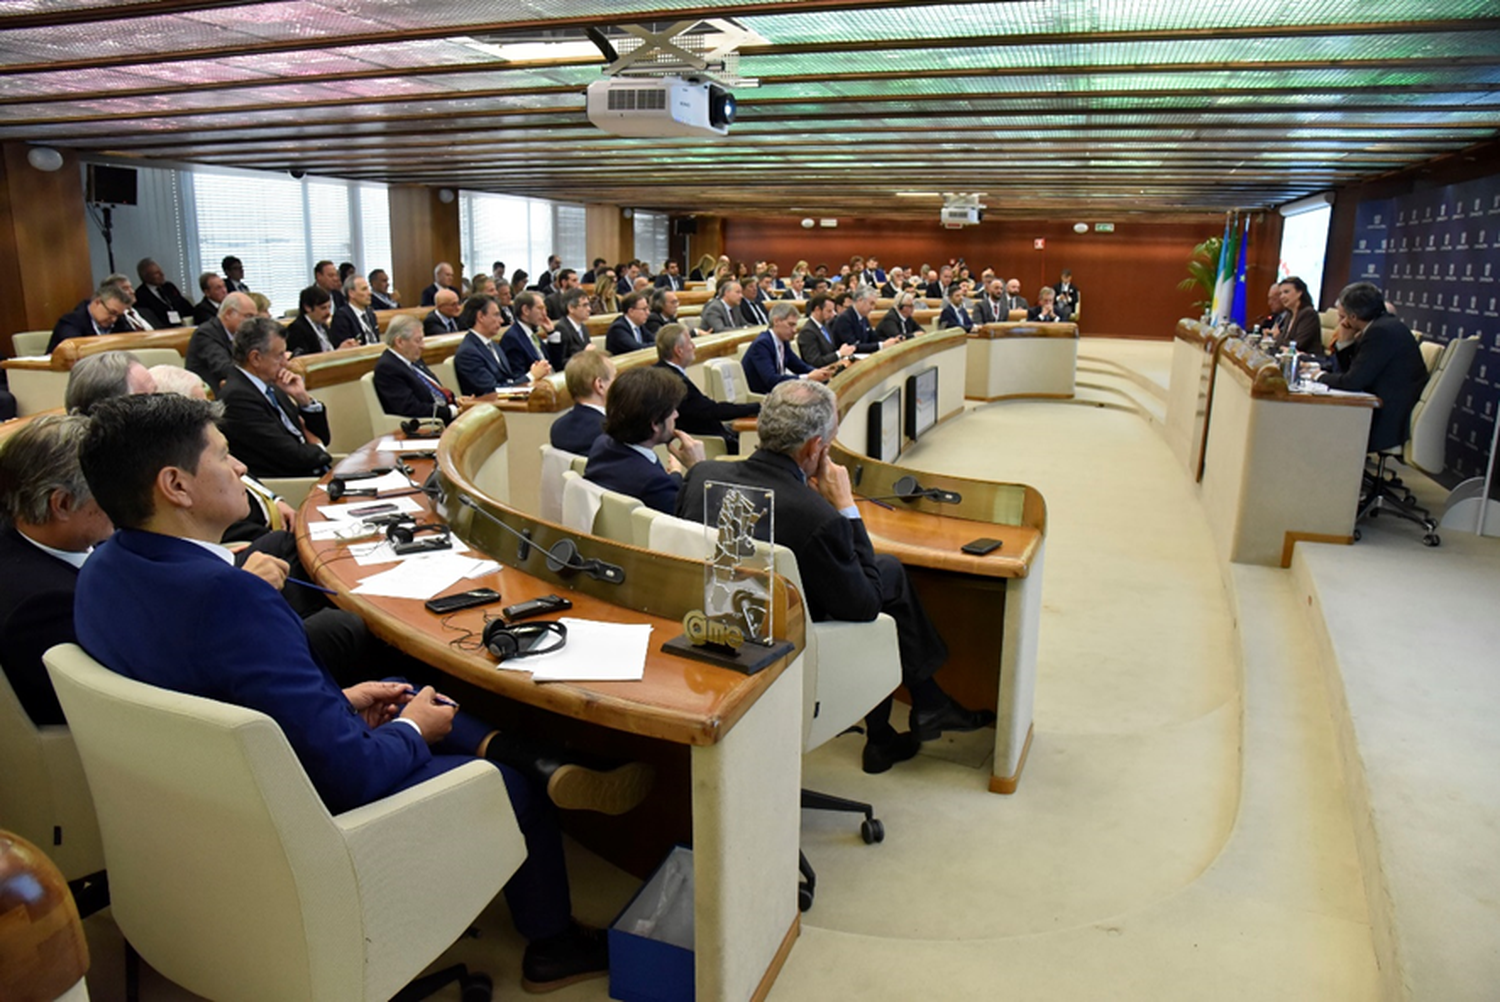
[[748, 660]]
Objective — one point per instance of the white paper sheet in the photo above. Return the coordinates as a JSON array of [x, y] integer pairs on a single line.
[[353, 507], [382, 552], [393, 444], [595, 652], [425, 576]]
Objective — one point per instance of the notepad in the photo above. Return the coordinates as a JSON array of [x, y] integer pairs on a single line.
[[595, 652]]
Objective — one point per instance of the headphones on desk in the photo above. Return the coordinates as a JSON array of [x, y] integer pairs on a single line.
[[522, 641], [422, 427]]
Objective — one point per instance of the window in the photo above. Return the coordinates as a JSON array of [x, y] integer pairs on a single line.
[[651, 238], [522, 232]]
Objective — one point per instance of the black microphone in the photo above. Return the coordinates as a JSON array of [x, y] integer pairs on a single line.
[[378, 471], [907, 489], [563, 555]]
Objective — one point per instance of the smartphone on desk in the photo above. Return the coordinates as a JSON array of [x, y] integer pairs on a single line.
[[979, 547]]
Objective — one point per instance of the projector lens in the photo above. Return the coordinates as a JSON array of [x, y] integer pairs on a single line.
[[720, 107]]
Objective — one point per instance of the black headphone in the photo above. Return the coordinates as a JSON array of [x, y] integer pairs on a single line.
[[396, 532], [422, 427], [521, 641]]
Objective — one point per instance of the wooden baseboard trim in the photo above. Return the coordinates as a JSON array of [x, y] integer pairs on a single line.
[[1293, 538], [777, 962], [1008, 784]]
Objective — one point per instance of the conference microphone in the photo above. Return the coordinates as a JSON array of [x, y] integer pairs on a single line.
[[337, 490], [563, 554], [907, 489]]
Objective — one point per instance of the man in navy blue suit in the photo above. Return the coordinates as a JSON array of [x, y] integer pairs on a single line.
[[628, 332], [403, 382], [588, 375], [522, 342], [479, 363], [670, 278], [160, 468], [769, 359], [853, 325], [641, 413]]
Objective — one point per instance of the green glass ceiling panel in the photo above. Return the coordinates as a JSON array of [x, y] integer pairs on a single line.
[[1042, 19]]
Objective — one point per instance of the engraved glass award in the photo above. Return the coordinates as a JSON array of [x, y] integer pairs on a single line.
[[737, 577]]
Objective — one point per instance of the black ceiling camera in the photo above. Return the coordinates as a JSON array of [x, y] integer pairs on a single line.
[[422, 427], [506, 641], [404, 537]]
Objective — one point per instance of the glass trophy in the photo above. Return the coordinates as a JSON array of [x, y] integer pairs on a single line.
[[739, 521]]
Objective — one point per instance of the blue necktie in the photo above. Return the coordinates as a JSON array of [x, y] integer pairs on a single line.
[[286, 422]]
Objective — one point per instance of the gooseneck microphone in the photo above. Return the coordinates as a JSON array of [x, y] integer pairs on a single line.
[[562, 555], [907, 489]]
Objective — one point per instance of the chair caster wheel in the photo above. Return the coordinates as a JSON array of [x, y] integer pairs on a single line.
[[1374, 512], [804, 898], [872, 831], [1358, 535], [1431, 539]]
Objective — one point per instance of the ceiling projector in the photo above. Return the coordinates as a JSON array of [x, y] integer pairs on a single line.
[[660, 106], [955, 216]]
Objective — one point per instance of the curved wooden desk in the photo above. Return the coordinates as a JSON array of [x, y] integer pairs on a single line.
[[1022, 359], [40, 381], [988, 608], [1195, 350], [742, 734]]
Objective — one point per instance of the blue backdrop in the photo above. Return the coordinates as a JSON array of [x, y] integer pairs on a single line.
[[1436, 253]]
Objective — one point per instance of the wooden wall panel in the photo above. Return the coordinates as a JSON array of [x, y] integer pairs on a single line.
[[610, 236], [1128, 277], [424, 232], [44, 246]]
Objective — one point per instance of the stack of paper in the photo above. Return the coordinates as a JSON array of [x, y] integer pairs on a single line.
[[425, 575]]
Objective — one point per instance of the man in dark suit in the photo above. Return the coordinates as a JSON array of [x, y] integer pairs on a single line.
[[939, 289], [54, 524], [899, 322], [210, 351], [566, 279], [628, 332], [570, 334], [843, 578], [993, 307], [588, 375], [523, 342], [382, 296], [1067, 293], [815, 341], [853, 325], [355, 320], [753, 304], [698, 413], [664, 306], [92, 317], [1047, 309], [670, 278], [444, 316], [326, 274], [356, 745], [769, 359], [954, 314], [214, 290], [273, 424], [442, 278], [403, 382], [1384, 360], [640, 414], [896, 283], [1015, 301], [159, 299], [547, 280], [479, 363], [309, 334], [590, 276], [234, 274]]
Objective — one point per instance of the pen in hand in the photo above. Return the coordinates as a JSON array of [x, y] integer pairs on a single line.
[[439, 700]]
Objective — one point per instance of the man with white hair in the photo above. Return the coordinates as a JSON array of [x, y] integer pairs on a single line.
[[107, 374], [403, 382], [210, 350], [843, 577], [355, 320]]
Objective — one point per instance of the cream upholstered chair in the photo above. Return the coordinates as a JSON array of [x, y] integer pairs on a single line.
[[555, 462], [231, 878], [589, 508], [847, 668], [381, 423], [447, 375], [726, 381], [44, 797], [30, 342]]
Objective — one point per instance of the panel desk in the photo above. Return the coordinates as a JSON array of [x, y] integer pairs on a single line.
[[988, 608], [39, 382], [1195, 352], [1012, 360], [740, 735]]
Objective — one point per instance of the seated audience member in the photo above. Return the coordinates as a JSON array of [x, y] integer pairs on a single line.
[[355, 321], [894, 284], [444, 316], [628, 332], [479, 363], [796, 287], [519, 281], [698, 413], [815, 341], [663, 311], [703, 269], [1275, 320], [769, 360], [91, 318], [1067, 294], [1047, 309], [326, 275], [403, 382], [262, 303], [100, 377], [214, 291], [548, 278], [628, 274], [131, 320], [640, 414], [937, 284], [382, 296], [1303, 330], [310, 334], [442, 278], [159, 299], [853, 325], [503, 293], [522, 343], [590, 276], [174, 379], [234, 275], [899, 322], [566, 279], [994, 305], [844, 579], [588, 375], [954, 314], [570, 335], [210, 351], [273, 424], [722, 313], [671, 278], [346, 272], [162, 469], [1382, 358], [752, 304], [1014, 300], [483, 285], [52, 525]]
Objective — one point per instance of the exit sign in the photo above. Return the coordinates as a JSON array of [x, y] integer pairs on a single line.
[[1039, 244], [1104, 227]]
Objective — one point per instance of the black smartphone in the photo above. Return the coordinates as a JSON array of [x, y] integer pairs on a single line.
[[463, 600], [535, 607], [979, 547], [372, 509]]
